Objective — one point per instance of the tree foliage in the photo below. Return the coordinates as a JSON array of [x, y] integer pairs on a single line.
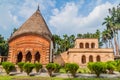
[[20, 65], [50, 67], [8, 66], [38, 66], [72, 68], [28, 67]]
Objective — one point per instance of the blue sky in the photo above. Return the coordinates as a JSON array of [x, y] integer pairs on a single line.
[[61, 16]]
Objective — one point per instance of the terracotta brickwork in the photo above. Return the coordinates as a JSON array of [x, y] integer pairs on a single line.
[[86, 52], [31, 42]]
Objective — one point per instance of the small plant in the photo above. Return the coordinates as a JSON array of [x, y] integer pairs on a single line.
[[8, 66], [50, 67], [38, 66], [118, 65], [20, 65], [28, 67], [90, 66], [72, 68], [111, 66], [98, 68], [57, 68]]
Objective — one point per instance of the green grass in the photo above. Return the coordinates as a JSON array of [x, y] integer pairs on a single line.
[[48, 78]]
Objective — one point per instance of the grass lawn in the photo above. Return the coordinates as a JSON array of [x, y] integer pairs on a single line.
[[48, 78]]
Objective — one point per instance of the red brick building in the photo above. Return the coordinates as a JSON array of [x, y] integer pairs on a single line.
[[31, 42]]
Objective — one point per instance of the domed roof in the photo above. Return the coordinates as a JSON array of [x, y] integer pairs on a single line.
[[34, 25]]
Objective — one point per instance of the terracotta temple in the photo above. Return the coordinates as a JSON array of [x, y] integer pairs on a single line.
[[31, 42]]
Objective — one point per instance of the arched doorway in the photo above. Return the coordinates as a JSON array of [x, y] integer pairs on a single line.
[[83, 59], [93, 45], [90, 58], [28, 57], [87, 45], [81, 45], [19, 57], [37, 57], [98, 58]]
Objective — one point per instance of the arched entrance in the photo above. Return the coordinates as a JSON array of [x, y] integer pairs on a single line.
[[98, 58], [19, 57], [83, 59], [28, 57], [90, 58], [37, 57]]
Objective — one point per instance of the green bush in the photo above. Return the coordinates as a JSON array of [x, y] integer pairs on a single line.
[[83, 70], [50, 67], [117, 65], [67, 67], [38, 66], [57, 68], [20, 65], [98, 68], [111, 65], [28, 67], [8, 66], [90, 66], [72, 68]]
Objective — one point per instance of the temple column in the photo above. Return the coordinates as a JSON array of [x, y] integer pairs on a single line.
[[33, 57], [24, 56]]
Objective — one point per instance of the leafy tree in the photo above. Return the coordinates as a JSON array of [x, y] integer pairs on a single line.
[[111, 65], [97, 67], [72, 68], [57, 68], [3, 46], [8, 67], [20, 65], [50, 67], [38, 66], [28, 67], [112, 22]]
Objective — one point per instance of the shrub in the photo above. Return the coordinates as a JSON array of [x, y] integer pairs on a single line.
[[72, 68], [98, 68], [67, 67], [50, 67], [111, 66], [20, 65], [118, 65], [90, 66], [57, 68], [8, 66], [38, 66], [83, 70], [28, 67]]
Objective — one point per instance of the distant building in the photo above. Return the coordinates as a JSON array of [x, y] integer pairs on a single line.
[[84, 51], [31, 42]]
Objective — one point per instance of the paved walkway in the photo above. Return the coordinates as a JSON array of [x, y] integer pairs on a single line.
[[63, 75]]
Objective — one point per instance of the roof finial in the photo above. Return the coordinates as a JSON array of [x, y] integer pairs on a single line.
[[38, 8]]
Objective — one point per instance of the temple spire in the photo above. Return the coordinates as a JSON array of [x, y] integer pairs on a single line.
[[38, 8]]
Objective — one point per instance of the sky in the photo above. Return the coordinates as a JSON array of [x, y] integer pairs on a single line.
[[62, 16]]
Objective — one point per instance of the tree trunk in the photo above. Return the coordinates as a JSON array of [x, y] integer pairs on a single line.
[[116, 46]]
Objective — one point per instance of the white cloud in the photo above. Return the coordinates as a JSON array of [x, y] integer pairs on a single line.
[[68, 19]]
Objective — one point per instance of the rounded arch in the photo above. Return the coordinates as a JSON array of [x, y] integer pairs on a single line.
[[92, 45], [90, 58], [28, 56], [37, 57], [19, 57], [81, 45], [83, 59], [87, 45], [98, 58]]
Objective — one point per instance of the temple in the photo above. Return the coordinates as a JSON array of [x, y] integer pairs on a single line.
[[31, 42], [84, 51]]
